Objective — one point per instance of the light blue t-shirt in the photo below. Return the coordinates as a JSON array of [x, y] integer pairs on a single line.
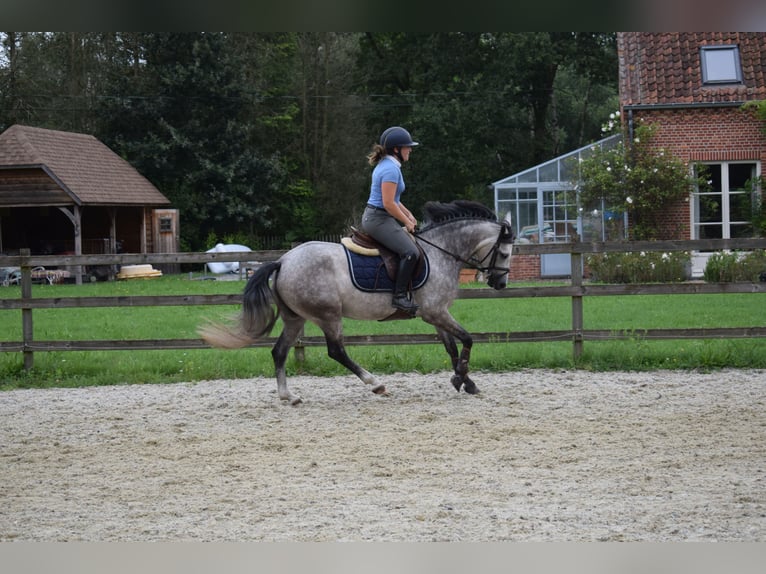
[[388, 169]]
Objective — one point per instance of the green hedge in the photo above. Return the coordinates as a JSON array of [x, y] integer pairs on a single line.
[[640, 267], [735, 266]]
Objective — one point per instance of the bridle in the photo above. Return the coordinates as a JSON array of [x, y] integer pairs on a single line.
[[505, 236]]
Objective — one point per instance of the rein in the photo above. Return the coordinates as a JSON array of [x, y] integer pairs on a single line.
[[505, 236]]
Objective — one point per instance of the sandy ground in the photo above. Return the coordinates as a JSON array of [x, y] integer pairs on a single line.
[[539, 455]]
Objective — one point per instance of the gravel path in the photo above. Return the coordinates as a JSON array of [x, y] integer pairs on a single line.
[[539, 455]]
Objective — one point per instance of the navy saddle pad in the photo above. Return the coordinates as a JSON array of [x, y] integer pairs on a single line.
[[368, 273]]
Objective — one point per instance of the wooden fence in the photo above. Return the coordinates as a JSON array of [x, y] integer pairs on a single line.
[[576, 290]]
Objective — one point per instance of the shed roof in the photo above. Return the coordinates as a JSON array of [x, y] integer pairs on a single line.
[[89, 172], [664, 68]]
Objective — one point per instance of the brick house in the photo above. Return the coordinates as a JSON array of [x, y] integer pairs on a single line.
[[691, 86]]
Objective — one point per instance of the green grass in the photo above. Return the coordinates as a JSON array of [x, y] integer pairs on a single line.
[[623, 313]]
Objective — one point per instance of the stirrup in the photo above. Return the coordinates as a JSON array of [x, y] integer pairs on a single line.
[[404, 303]]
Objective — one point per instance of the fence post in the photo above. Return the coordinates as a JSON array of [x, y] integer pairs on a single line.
[[26, 312], [577, 318]]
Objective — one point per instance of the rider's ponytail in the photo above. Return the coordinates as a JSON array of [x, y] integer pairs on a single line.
[[378, 152]]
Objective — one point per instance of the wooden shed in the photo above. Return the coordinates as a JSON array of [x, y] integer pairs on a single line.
[[64, 192]]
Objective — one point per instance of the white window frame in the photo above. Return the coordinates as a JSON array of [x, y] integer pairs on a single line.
[[725, 196]]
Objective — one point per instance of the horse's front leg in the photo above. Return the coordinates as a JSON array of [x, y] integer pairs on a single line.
[[447, 331]]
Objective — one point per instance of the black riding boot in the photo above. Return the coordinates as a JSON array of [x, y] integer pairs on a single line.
[[402, 295]]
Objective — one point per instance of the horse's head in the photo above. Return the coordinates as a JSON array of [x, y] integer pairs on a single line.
[[489, 245], [500, 257]]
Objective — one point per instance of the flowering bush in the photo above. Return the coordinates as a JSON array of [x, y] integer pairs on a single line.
[[638, 178], [758, 206], [735, 266], [643, 267]]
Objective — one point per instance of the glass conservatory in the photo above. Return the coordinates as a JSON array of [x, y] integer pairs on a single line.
[[542, 201]]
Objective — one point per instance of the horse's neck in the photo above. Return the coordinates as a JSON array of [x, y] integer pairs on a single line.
[[465, 238]]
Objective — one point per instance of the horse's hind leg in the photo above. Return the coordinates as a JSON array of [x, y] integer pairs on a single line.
[[290, 333], [337, 351]]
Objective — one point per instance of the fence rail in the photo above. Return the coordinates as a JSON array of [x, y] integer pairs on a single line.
[[576, 291]]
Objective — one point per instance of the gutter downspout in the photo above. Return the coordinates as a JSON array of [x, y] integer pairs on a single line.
[[626, 232]]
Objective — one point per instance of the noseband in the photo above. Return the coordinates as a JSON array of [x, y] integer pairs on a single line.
[[505, 236]]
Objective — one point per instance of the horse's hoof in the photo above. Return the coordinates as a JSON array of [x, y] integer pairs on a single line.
[[471, 388], [380, 390], [292, 399], [457, 382]]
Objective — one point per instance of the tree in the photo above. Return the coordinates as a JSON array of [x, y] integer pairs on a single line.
[[333, 138], [10, 102], [483, 104], [634, 177], [53, 79], [444, 89], [266, 133], [187, 124]]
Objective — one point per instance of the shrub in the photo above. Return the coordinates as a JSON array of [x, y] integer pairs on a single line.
[[727, 267], [652, 267], [634, 176]]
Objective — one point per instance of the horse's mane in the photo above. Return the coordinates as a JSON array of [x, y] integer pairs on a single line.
[[436, 213]]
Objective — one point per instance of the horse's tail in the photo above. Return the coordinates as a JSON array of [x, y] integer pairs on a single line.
[[258, 310], [259, 314]]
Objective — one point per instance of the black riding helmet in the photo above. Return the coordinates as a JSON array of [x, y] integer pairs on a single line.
[[396, 137]]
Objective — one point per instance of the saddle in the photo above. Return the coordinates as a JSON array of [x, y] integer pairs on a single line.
[[362, 244]]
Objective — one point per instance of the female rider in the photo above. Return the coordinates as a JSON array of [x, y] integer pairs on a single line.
[[385, 214]]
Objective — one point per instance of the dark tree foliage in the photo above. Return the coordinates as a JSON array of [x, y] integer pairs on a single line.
[[485, 105], [253, 134], [188, 121]]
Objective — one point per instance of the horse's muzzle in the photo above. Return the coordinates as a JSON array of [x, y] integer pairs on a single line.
[[498, 281]]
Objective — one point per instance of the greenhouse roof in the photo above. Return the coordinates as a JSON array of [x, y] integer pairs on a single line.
[[556, 170]]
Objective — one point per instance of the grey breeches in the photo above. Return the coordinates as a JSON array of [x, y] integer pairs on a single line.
[[388, 231]]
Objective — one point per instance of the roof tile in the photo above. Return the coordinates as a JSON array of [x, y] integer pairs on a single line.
[[89, 169], [664, 68]]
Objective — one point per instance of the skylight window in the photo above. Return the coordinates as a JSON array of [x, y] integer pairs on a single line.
[[720, 65]]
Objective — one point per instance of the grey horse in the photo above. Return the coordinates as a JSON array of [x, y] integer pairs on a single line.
[[312, 282]]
